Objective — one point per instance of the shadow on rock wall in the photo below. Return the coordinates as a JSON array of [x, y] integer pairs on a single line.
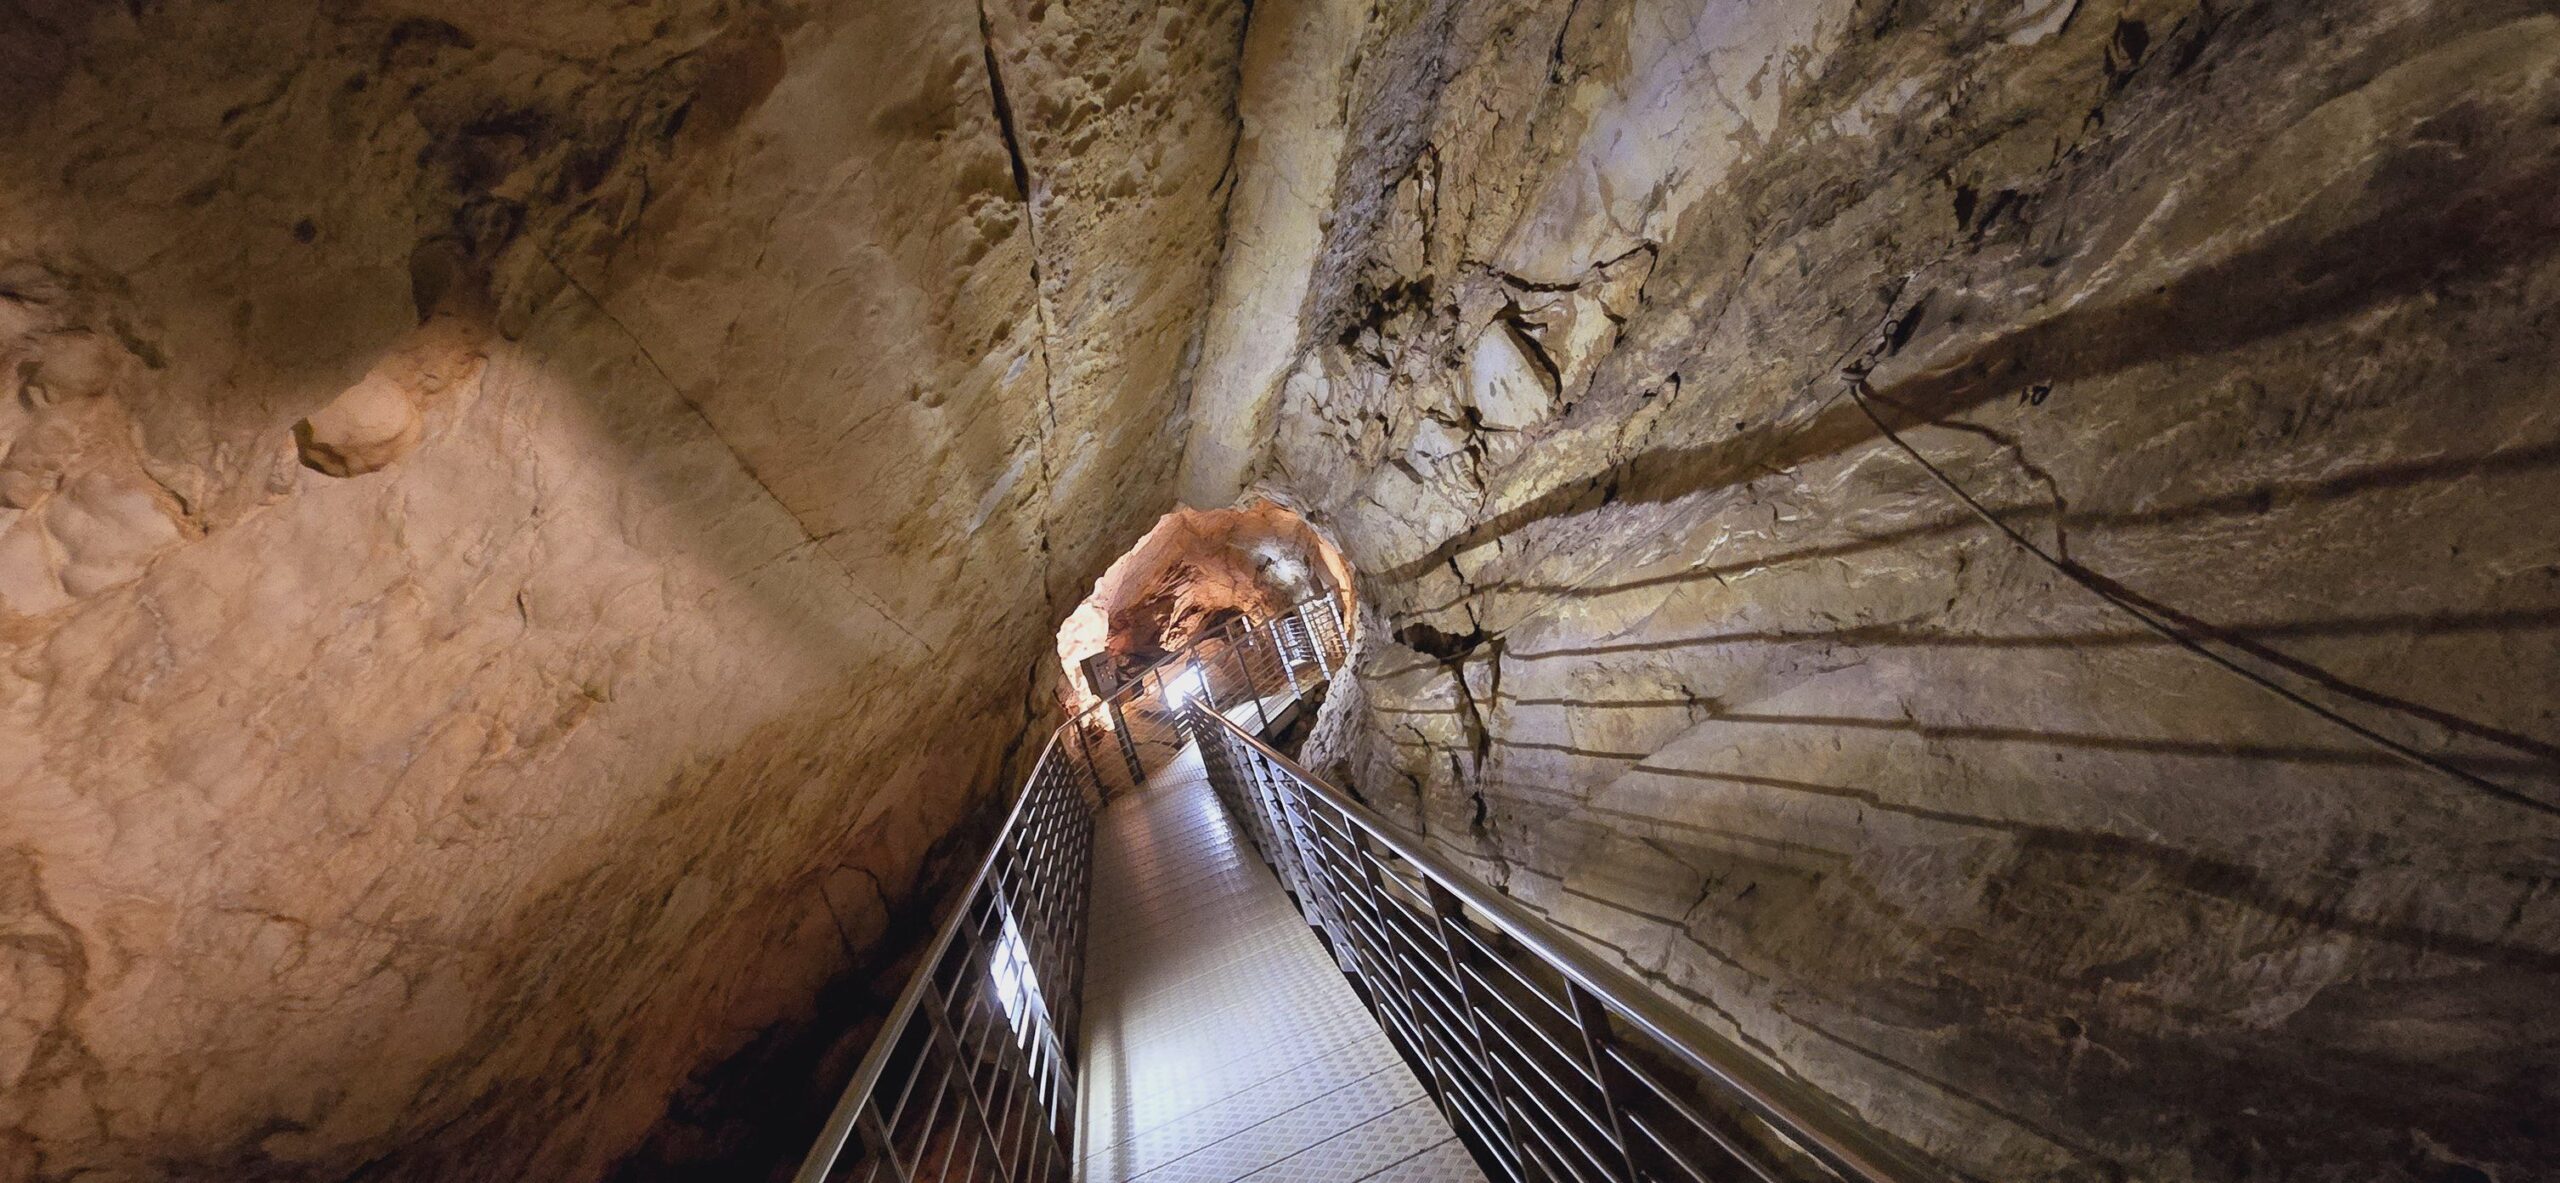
[[2236, 319]]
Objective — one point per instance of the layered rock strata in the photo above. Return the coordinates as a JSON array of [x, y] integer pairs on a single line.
[[2141, 762], [1994, 549]]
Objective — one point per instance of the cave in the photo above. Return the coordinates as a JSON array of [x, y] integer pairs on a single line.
[[1994, 557], [1191, 573]]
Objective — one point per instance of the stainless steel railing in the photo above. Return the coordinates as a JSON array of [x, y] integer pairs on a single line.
[[1551, 1063], [973, 1074]]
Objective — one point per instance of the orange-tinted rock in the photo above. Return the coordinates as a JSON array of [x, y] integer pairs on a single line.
[[1190, 574], [697, 446]]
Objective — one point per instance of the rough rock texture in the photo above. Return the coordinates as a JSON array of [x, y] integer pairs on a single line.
[[2241, 316], [1291, 103], [520, 528], [1997, 548], [1192, 572]]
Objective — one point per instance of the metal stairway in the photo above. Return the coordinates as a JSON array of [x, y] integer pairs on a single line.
[[1122, 994]]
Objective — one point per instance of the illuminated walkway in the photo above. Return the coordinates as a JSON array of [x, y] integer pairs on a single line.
[[1221, 1043]]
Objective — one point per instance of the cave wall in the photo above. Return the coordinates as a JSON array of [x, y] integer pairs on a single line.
[[2239, 315], [520, 528]]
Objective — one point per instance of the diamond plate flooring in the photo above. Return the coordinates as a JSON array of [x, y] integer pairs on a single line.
[[1220, 1043]]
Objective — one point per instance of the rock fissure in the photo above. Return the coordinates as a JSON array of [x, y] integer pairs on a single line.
[[809, 538], [1024, 183]]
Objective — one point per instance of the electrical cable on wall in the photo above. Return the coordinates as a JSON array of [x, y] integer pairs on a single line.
[[1864, 396]]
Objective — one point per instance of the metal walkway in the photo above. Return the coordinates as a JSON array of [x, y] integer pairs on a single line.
[[1220, 1041], [1187, 959]]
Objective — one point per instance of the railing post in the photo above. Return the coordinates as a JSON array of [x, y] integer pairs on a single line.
[[1250, 686], [1443, 905], [880, 1147], [1280, 648], [1200, 678], [1295, 869], [1443, 1072], [1593, 1019], [1128, 746], [1084, 751], [939, 1025]]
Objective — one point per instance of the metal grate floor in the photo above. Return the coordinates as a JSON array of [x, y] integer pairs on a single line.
[[1220, 1043]]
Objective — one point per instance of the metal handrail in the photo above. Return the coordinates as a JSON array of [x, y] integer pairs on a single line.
[[1019, 1093], [1551, 1062], [1369, 889], [866, 1076]]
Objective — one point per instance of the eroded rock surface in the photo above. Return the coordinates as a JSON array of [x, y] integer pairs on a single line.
[[528, 531], [2239, 317], [522, 527]]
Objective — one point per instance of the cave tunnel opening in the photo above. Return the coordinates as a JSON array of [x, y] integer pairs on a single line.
[[1190, 574]]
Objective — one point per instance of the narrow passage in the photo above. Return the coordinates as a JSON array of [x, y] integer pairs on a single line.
[[1220, 1043]]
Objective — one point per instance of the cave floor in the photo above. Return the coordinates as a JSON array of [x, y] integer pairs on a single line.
[[1220, 1042]]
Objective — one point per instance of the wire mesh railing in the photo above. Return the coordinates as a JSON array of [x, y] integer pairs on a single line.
[[1552, 1064], [973, 1074]]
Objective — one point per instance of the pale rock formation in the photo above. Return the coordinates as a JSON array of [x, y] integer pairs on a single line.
[[2238, 315], [529, 532], [1292, 95], [1508, 386], [79, 512], [384, 415]]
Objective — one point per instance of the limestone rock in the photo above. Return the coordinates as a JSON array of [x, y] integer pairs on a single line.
[[530, 531], [1191, 573], [1508, 383], [384, 415], [2237, 314], [1434, 441]]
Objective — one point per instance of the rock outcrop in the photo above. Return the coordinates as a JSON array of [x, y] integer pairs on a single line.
[[2140, 761]]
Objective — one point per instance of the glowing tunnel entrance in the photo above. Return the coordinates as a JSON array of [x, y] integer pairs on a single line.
[[1191, 574]]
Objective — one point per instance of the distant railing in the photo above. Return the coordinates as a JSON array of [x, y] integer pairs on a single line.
[[1550, 1062], [973, 1074], [1258, 661]]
